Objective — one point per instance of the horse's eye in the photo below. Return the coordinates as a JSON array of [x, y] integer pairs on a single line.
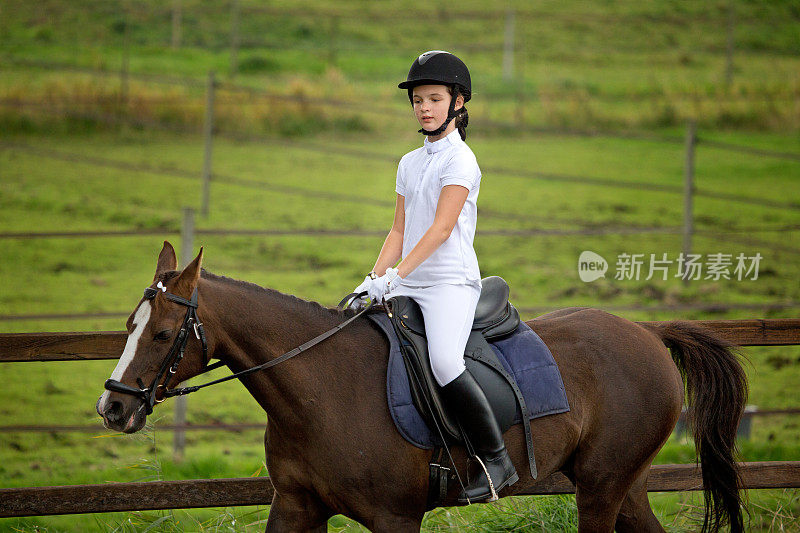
[[162, 335]]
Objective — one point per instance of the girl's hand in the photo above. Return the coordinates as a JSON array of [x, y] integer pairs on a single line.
[[359, 302], [364, 285], [384, 284], [393, 279]]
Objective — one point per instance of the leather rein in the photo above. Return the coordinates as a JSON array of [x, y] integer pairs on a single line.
[[170, 364]]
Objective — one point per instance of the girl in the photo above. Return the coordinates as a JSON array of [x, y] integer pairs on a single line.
[[433, 231]]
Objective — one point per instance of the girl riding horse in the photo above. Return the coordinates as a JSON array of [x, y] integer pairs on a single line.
[[432, 235]]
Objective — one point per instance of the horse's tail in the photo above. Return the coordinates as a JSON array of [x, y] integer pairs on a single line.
[[716, 389]]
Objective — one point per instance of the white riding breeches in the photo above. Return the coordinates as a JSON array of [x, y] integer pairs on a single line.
[[449, 310]]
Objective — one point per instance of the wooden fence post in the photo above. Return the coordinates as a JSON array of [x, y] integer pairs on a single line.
[[176, 24], [729, 50], [208, 133], [521, 83], [508, 47], [688, 191], [234, 38], [187, 246], [333, 42], [124, 69]]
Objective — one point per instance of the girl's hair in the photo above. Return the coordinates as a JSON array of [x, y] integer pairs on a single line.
[[462, 118]]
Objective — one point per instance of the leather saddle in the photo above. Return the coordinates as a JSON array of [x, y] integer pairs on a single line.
[[495, 318]]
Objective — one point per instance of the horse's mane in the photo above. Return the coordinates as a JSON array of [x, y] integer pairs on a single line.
[[314, 308]]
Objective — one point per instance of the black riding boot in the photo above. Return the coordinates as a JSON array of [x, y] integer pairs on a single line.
[[466, 399]]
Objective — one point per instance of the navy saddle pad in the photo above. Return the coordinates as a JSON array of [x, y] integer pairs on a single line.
[[523, 354]]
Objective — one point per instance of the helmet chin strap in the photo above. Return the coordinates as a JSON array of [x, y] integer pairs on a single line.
[[451, 114]]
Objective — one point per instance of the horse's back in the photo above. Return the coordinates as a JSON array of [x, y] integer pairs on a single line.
[[619, 377], [607, 349]]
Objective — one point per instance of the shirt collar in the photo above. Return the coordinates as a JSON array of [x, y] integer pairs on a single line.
[[450, 139]]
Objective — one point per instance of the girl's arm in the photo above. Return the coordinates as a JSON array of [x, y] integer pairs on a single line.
[[451, 201], [392, 250]]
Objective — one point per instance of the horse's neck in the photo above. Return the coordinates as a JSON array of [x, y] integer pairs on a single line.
[[255, 328]]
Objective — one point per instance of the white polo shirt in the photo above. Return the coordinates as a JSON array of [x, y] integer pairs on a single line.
[[421, 175]]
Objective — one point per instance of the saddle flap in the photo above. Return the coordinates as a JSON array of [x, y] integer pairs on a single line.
[[424, 388], [414, 346]]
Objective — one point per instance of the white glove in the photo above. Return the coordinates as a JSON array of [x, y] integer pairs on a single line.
[[384, 284], [394, 280], [359, 302], [364, 285]]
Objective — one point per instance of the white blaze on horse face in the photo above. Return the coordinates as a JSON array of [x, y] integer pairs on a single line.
[[140, 320]]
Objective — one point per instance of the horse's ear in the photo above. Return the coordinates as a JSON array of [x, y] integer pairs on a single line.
[[187, 280], [166, 260]]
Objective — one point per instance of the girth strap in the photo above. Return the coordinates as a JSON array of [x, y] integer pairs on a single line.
[[439, 477]]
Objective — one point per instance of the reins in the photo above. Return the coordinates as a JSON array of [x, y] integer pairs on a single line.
[[176, 352], [288, 355]]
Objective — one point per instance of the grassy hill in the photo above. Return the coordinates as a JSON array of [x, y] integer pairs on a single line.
[[585, 64]]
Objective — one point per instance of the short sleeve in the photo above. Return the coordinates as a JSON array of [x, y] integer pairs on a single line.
[[462, 169], [400, 186]]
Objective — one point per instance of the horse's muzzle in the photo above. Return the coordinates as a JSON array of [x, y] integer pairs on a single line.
[[122, 414]]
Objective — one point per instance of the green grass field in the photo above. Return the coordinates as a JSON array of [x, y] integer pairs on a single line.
[[69, 148], [107, 274]]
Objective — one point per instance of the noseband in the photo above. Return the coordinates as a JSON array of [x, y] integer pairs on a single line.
[[170, 364]]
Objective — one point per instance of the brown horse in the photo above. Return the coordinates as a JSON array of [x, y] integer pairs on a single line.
[[331, 445]]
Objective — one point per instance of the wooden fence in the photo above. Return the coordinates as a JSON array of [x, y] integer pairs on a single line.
[[33, 501], [36, 501], [77, 346]]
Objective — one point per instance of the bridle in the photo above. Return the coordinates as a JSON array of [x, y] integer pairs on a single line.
[[170, 364]]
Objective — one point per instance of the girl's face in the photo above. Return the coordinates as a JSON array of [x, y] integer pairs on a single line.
[[431, 103]]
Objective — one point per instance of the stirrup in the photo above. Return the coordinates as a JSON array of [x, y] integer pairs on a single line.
[[493, 497]]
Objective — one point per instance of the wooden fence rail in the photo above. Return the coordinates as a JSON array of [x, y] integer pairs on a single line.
[[109, 344], [141, 496], [250, 426]]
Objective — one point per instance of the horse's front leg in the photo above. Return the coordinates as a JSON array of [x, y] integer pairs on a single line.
[[294, 506], [297, 511]]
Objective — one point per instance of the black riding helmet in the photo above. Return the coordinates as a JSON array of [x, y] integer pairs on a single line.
[[440, 68]]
